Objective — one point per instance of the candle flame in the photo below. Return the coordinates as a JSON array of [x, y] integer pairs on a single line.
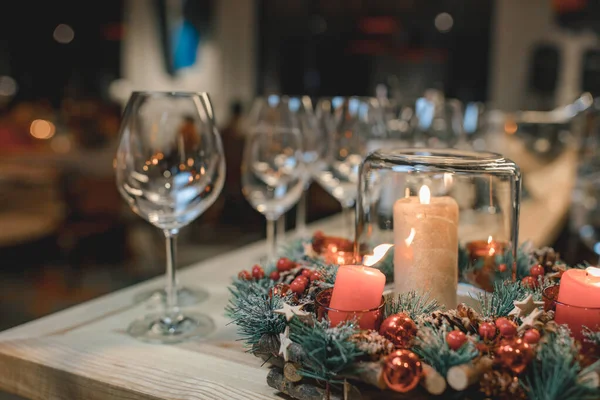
[[489, 239], [410, 237], [593, 271], [424, 195], [378, 253]]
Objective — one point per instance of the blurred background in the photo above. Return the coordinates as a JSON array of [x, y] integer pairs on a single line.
[[517, 77]]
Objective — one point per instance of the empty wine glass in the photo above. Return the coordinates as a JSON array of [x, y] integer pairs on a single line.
[[170, 167], [355, 126], [273, 171], [314, 144]]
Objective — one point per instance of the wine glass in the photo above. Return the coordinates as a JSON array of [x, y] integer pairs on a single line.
[[314, 144], [273, 171], [170, 167], [355, 126]]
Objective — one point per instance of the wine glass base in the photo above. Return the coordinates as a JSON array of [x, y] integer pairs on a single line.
[[156, 328], [186, 296]]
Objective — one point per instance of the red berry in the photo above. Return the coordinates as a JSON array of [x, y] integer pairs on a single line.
[[245, 275], [306, 273], [302, 279], [275, 275], [537, 270], [285, 264], [508, 329], [502, 267], [530, 282], [297, 287], [315, 276], [258, 272], [456, 339], [487, 331], [531, 336]]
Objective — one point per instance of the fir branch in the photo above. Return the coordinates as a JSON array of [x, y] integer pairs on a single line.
[[432, 347], [591, 336], [582, 265], [328, 271], [525, 260], [251, 309], [412, 303], [501, 301], [294, 249], [554, 373], [328, 350]]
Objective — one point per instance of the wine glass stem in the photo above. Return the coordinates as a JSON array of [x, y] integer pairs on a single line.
[[171, 288], [348, 222], [271, 241], [301, 215]]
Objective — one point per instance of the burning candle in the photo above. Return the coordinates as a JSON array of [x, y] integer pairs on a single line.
[[426, 246], [356, 288], [485, 252], [578, 302]]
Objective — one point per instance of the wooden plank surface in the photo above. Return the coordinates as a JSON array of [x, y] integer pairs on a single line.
[[83, 352]]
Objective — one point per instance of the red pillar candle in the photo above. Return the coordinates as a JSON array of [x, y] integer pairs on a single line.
[[578, 302], [357, 288]]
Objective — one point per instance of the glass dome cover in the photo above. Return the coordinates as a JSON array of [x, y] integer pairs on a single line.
[[428, 209]]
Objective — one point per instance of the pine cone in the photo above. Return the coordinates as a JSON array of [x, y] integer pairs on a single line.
[[501, 385], [547, 257], [466, 313], [372, 343], [450, 317]]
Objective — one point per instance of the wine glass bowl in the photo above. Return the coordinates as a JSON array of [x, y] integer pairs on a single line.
[[170, 168], [273, 169]]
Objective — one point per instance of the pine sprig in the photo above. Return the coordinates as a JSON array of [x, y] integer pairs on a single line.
[[501, 301], [591, 336], [555, 372], [328, 350], [432, 347], [412, 303], [251, 309]]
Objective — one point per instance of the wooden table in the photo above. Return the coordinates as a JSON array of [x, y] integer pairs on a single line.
[[84, 353]]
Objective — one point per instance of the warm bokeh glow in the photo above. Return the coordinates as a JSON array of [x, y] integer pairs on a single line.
[[42, 129]]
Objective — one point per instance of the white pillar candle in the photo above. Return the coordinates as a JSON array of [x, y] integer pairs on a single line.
[[426, 246]]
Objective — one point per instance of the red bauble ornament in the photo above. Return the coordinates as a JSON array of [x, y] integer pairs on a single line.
[[297, 287], [487, 330], [258, 272], [306, 273], [530, 282], [515, 354], [456, 339], [532, 336], [245, 275], [501, 321], [315, 276], [402, 370], [399, 329], [507, 328], [502, 267], [537, 270], [281, 289], [285, 264], [275, 275]]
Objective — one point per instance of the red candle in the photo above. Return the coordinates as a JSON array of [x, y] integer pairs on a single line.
[[578, 302], [356, 288]]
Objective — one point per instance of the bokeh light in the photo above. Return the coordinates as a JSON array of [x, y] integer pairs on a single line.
[[42, 129], [63, 34]]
